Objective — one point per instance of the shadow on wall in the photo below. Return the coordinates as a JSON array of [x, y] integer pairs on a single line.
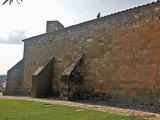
[[41, 80]]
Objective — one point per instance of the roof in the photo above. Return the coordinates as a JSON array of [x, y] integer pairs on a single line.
[[93, 20]]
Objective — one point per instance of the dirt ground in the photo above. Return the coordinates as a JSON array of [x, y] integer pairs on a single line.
[[81, 105]]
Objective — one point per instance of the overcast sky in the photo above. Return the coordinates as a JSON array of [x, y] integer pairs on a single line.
[[19, 21]]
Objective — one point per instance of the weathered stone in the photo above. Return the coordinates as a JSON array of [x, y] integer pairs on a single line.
[[41, 79], [121, 49]]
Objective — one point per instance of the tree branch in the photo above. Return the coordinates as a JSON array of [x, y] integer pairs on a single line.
[[10, 2]]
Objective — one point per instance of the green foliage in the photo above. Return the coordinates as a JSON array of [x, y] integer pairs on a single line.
[[30, 110]]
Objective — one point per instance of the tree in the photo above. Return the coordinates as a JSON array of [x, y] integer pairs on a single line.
[[11, 1]]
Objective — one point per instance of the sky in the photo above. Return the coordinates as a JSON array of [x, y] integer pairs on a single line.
[[27, 19]]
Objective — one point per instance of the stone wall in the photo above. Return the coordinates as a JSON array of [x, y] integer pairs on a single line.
[[14, 81], [53, 26], [72, 79], [121, 54], [41, 80]]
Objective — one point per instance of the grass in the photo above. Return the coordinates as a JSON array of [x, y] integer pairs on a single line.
[[31, 110]]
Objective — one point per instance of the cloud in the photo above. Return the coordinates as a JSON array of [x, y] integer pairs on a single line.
[[14, 37]]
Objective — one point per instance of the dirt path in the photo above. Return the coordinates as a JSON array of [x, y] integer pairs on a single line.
[[129, 112]]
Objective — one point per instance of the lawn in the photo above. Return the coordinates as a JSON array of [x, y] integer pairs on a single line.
[[31, 110]]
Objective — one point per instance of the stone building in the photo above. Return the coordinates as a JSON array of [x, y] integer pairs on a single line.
[[116, 57]]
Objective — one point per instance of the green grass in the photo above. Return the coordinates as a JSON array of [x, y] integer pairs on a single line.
[[31, 110]]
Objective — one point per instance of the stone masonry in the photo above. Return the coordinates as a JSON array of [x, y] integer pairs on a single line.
[[121, 55]]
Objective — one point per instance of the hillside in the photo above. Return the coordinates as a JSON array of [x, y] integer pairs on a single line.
[[2, 78]]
